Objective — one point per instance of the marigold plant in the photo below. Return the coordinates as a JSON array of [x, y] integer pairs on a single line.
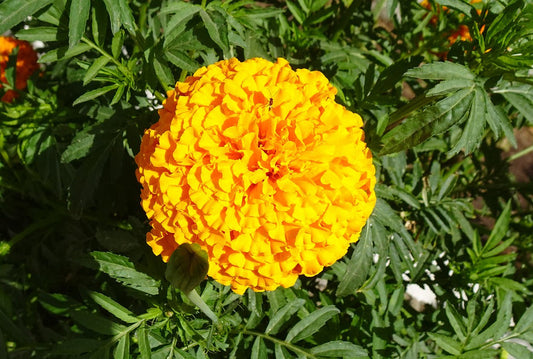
[[261, 167], [26, 64]]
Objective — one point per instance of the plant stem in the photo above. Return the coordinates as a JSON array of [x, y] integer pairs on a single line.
[[290, 346], [521, 153], [120, 66]]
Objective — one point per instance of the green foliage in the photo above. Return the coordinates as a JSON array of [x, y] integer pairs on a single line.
[[77, 279]]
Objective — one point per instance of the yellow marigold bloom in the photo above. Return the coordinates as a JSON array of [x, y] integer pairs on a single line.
[[258, 165], [26, 64]]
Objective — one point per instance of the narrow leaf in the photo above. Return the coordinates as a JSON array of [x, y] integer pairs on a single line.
[[64, 53], [312, 323], [144, 344], [283, 315], [339, 348], [79, 14], [93, 70], [441, 71], [97, 323], [113, 307], [446, 343], [13, 12], [94, 94]]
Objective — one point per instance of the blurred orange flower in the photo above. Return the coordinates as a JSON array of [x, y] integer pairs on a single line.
[[261, 167], [26, 64]]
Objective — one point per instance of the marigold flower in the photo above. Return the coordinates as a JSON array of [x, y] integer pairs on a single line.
[[258, 165], [26, 64]]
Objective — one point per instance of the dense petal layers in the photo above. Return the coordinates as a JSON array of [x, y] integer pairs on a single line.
[[257, 164], [26, 64]]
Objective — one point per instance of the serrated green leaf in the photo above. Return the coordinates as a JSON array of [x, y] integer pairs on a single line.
[[79, 14], [187, 267], [525, 322], [442, 71], [500, 228], [97, 323], [449, 86], [181, 60], [144, 344], [64, 53], [259, 350], [456, 321], [13, 12], [339, 348], [93, 70], [217, 28], [78, 148], [281, 353], [121, 269], [113, 307], [359, 264], [474, 129], [42, 33], [433, 120], [311, 324], [521, 98], [122, 350], [498, 121], [497, 329], [282, 316], [116, 43], [94, 94], [119, 14], [448, 344], [163, 73], [298, 14]]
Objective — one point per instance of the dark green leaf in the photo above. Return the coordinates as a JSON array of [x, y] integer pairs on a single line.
[[311, 324], [79, 14], [97, 323], [122, 350], [76, 347], [359, 264], [259, 350], [181, 60], [446, 343], [64, 53], [282, 316], [121, 269], [78, 148], [94, 94], [500, 228], [144, 344], [42, 33], [13, 12], [113, 307], [441, 71], [93, 70], [460, 5], [456, 321], [526, 321], [339, 348], [216, 26]]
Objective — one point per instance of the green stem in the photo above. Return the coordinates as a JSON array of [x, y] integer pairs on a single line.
[[521, 153], [199, 302], [290, 346]]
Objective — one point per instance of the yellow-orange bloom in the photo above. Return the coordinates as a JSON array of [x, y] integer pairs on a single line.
[[26, 64], [258, 165]]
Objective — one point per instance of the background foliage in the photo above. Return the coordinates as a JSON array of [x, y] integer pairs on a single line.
[[76, 278]]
